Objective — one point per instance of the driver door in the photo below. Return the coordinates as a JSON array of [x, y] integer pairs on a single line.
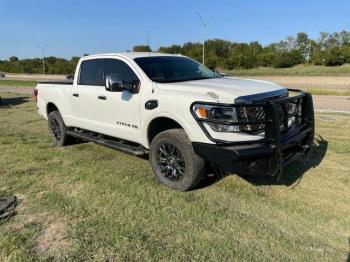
[[121, 110]]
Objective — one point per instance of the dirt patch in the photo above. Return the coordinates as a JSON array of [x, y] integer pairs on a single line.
[[53, 240], [332, 103], [18, 90]]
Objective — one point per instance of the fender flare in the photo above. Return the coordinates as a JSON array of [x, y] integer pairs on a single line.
[[151, 118]]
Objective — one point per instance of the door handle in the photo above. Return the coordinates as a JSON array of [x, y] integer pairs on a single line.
[[102, 97], [75, 94]]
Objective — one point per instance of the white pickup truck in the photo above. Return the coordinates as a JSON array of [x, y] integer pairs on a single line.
[[182, 114]]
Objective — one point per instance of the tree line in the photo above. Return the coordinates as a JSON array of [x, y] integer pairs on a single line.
[[329, 49], [53, 65]]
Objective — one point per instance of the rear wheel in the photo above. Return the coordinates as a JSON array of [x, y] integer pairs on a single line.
[[174, 162], [57, 129]]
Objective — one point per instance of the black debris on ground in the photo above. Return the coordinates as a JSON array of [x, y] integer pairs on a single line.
[[8, 206]]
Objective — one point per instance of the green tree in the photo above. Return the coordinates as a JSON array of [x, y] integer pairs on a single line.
[[317, 55], [174, 49], [334, 57], [288, 59], [13, 59], [142, 48], [193, 50], [302, 45]]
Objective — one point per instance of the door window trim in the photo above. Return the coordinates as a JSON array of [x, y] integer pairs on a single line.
[[103, 68], [104, 74]]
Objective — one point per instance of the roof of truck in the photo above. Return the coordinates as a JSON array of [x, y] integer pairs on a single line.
[[132, 55]]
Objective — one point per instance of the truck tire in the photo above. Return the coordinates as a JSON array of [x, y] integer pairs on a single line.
[[173, 160], [57, 129]]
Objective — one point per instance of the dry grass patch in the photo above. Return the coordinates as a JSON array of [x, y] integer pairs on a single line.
[[53, 240]]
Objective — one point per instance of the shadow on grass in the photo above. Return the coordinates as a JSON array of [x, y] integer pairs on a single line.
[[13, 101], [292, 174]]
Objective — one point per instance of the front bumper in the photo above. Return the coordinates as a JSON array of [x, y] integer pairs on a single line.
[[269, 155]]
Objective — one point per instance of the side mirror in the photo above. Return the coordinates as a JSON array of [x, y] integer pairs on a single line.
[[114, 83], [131, 87], [220, 74], [70, 77]]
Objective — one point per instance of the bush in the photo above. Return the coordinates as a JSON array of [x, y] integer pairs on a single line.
[[288, 59], [334, 57], [142, 48]]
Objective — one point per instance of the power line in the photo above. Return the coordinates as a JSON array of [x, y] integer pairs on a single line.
[[42, 48], [205, 26]]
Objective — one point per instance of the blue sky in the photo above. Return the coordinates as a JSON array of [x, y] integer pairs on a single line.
[[72, 28]]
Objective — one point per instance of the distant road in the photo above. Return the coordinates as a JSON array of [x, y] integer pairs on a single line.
[[339, 83], [332, 103], [38, 77], [321, 103]]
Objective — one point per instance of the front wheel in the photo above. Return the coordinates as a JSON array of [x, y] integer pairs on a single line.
[[174, 162]]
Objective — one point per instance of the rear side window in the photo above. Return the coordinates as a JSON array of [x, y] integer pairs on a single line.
[[117, 67], [91, 72]]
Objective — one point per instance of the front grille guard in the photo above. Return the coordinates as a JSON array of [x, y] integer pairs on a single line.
[[273, 135]]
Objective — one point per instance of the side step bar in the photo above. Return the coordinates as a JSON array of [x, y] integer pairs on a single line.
[[123, 147]]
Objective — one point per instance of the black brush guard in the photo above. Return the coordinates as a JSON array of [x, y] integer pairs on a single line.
[[267, 156]]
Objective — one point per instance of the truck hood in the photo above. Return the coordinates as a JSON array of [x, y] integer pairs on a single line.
[[226, 89]]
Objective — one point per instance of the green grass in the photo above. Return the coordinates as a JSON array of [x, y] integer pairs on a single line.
[[17, 83], [87, 202], [343, 70], [328, 91]]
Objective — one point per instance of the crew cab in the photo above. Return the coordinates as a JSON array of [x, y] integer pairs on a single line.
[[184, 116]]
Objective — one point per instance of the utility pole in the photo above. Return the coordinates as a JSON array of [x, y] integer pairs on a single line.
[[308, 53], [148, 41], [205, 25], [42, 48], [149, 47]]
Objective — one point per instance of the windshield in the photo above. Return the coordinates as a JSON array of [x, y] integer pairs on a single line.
[[168, 69]]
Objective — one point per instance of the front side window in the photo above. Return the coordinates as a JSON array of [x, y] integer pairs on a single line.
[[91, 72], [117, 67], [168, 69]]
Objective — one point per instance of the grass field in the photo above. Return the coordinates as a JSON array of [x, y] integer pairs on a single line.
[[17, 83], [327, 91], [87, 202], [343, 70]]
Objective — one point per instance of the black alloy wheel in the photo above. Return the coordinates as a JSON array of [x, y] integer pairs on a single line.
[[171, 162]]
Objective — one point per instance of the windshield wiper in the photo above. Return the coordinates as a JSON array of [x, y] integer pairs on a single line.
[[184, 80], [200, 78]]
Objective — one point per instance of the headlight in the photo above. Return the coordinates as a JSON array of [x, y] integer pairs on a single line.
[[217, 114]]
